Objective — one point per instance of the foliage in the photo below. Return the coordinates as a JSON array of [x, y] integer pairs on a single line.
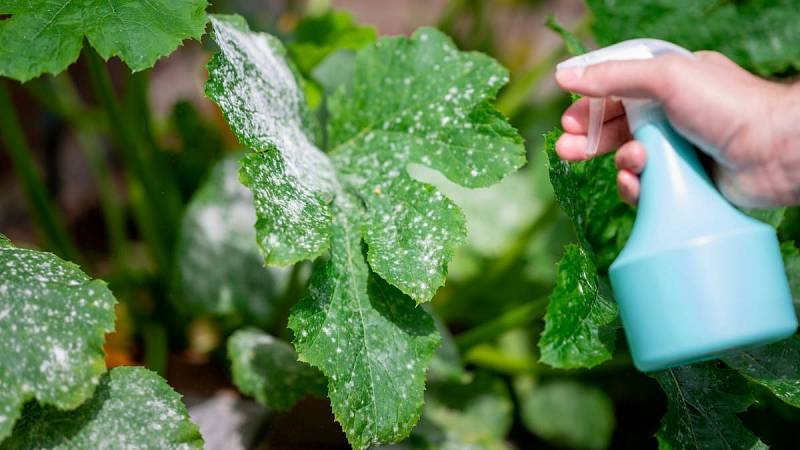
[[132, 408], [359, 323], [759, 35], [46, 37]]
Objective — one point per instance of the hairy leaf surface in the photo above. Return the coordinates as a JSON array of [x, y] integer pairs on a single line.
[[218, 227], [759, 35], [267, 369], [47, 36], [703, 400], [580, 323], [132, 408], [53, 321]]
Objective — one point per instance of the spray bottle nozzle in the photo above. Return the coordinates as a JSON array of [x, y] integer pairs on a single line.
[[627, 50]]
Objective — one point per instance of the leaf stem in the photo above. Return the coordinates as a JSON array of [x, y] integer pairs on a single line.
[[157, 207], [62, 98], [42, 209], [514, 318]]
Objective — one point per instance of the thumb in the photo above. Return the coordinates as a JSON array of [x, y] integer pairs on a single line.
[[651, 78]]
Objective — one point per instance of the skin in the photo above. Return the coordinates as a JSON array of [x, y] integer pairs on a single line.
[[748, 125]]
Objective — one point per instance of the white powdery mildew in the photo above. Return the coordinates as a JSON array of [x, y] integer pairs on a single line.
[[291, 178], [429, 106], [132, 409], [53, 319]]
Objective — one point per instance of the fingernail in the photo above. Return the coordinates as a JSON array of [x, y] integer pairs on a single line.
[[569, 76]]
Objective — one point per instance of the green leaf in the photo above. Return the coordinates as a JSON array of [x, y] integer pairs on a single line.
[[46, 37], [371, 341], [316, 37], [446, 362], [419, 100], [335, 70], [268, 369], [573, 44], [703, 401], [4, 241], [432, 109], [566, 413], [587, 192], [292, 181], [53, 321], [218, 226], [774, 366], [791, 264], [773, 217], [581, 318], [759, 35], [132, 408]]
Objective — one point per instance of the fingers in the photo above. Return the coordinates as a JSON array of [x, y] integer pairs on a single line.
[[628, 186], [631, 157], [652, 78], [572, 147], [576, 118]]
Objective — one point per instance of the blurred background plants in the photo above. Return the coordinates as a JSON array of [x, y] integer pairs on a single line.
[[133, 175]]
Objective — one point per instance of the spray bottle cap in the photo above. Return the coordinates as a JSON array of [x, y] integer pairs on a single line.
[[636, 109]]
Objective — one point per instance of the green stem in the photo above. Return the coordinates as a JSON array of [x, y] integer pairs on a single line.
[[42, 209], [64, 97], [517, 317], [159, 206]]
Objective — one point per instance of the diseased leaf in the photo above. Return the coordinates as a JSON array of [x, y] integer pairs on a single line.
[[4, 241], [218, 227], [703, 401], [371, 341], [292, 181], [419, 100], [316, 37], [47, 36], [53, 321], [267, 369], [132, 408], [566, 413], [758, 35], [587, 192], [581, 318], [414, 100], [774, 366]]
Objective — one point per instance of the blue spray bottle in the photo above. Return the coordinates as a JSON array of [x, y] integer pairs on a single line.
[[697, 277]]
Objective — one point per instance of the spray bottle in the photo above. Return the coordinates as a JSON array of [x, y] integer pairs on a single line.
[[697, 277]]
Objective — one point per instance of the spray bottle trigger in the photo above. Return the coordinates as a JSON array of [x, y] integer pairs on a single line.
[[597, 112]]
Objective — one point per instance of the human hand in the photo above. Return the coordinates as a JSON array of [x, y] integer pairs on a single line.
[[746, 124]]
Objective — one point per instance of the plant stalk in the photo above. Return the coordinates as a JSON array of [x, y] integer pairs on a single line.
[[517, 317], [42, 209]]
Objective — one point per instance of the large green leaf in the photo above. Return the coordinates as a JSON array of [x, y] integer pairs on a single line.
[[53, 321], [268, 369], [371, 341], [581, 318], [703, 401], [761, 35], [414, 100], [132, 408], [218, 227], [775, 366], [566, 413], [316, 37], [46, 36]]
